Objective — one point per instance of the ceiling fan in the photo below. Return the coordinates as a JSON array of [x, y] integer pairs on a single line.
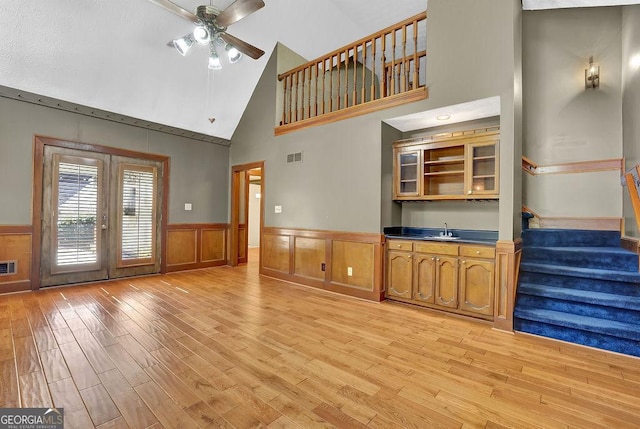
[[211, 29]]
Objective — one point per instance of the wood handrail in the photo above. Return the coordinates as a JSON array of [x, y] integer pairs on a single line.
[[572, 167], [416, 18], [634, 192]]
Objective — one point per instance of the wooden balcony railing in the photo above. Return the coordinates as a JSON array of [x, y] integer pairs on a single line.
[[376, 72]]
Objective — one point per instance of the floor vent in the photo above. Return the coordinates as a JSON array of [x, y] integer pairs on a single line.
[[8, 267], [294, 157]]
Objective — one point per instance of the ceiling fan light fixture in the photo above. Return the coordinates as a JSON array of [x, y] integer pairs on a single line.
[[183, 44], [201, 35], [233, 54], [214, 60]]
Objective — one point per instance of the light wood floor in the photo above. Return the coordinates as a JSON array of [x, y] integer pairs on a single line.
[[225, 348]]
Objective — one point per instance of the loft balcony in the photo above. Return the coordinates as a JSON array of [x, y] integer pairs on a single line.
[[380, 71]]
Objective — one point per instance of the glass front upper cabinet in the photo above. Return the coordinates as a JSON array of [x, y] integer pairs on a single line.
[[408, 166], [482, 177]]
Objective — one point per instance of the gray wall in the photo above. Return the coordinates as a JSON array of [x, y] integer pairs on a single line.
[[199, 171], [338, 186], [631, 102], [563, 122]]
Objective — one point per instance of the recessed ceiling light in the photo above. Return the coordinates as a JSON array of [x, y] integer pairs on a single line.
[[443, 117]]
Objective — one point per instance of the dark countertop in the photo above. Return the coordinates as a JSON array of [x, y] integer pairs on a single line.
[[467, 236]]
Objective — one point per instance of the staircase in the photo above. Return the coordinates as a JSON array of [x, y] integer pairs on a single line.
[[581, 287]]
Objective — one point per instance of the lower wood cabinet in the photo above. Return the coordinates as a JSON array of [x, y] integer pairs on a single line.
[[400, 274], [477, 286], [451, 277]]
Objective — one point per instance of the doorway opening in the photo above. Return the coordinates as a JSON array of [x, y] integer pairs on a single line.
[[247, 211]]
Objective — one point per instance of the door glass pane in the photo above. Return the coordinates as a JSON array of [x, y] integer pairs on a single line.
[[77, 212], [137, 213]]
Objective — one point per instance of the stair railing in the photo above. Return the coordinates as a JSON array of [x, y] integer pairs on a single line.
[[385, 64]]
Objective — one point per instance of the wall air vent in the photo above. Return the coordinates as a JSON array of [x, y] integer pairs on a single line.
[[8, 267], [294, 157]]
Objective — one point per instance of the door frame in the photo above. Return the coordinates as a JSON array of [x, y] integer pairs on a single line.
[[39, 143], [234, 232]]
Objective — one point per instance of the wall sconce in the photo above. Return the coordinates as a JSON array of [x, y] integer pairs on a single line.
[[592, 75]]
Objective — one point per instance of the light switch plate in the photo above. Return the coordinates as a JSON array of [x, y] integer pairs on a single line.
[[278, 209], [188, 206]]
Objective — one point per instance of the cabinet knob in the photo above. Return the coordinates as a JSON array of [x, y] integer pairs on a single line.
[[477, 252], [469, 192], [433, 258], [464, 262], [437, 259], [399, 245]]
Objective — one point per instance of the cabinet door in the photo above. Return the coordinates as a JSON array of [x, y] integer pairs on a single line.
[[399, 267], [446, 282], [424, 278], [482, 169], [476, 286], [407, 172]]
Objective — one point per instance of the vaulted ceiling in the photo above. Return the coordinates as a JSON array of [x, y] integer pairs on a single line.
[[113, 55]]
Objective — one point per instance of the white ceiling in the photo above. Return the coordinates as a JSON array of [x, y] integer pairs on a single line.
[[113, 55]]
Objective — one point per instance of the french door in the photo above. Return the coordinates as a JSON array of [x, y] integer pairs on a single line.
[[101, 216]]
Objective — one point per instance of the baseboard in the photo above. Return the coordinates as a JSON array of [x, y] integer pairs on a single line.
[[194, 266], [19, 286]]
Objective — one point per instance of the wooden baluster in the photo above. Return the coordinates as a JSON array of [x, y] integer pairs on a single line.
[[346, 79], [287, 102], [324, 62], [315, 92], [393, 62], [416, 65], [383, 70], [309, 95], [363, 88], [354, 97], [295, 97], [303, 82], [405, 71], [373, 69], [284, 101], [338, 64]]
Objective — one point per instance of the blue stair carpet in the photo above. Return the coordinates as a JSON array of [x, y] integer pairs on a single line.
[[579, 286]]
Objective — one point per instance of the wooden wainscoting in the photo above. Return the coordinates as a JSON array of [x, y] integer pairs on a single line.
[[15, 245], [322, 259], [192, 246]]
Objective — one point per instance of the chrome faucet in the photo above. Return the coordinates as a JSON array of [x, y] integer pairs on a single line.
[[446, 232]]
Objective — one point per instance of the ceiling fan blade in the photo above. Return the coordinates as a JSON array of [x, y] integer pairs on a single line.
[[244, 47], [174, 8], [238, 10]]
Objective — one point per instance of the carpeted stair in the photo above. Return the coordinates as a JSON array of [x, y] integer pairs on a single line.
[[579, 286]]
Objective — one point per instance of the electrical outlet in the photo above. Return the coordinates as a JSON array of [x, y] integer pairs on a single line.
[[323, 266], [349, 271]]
